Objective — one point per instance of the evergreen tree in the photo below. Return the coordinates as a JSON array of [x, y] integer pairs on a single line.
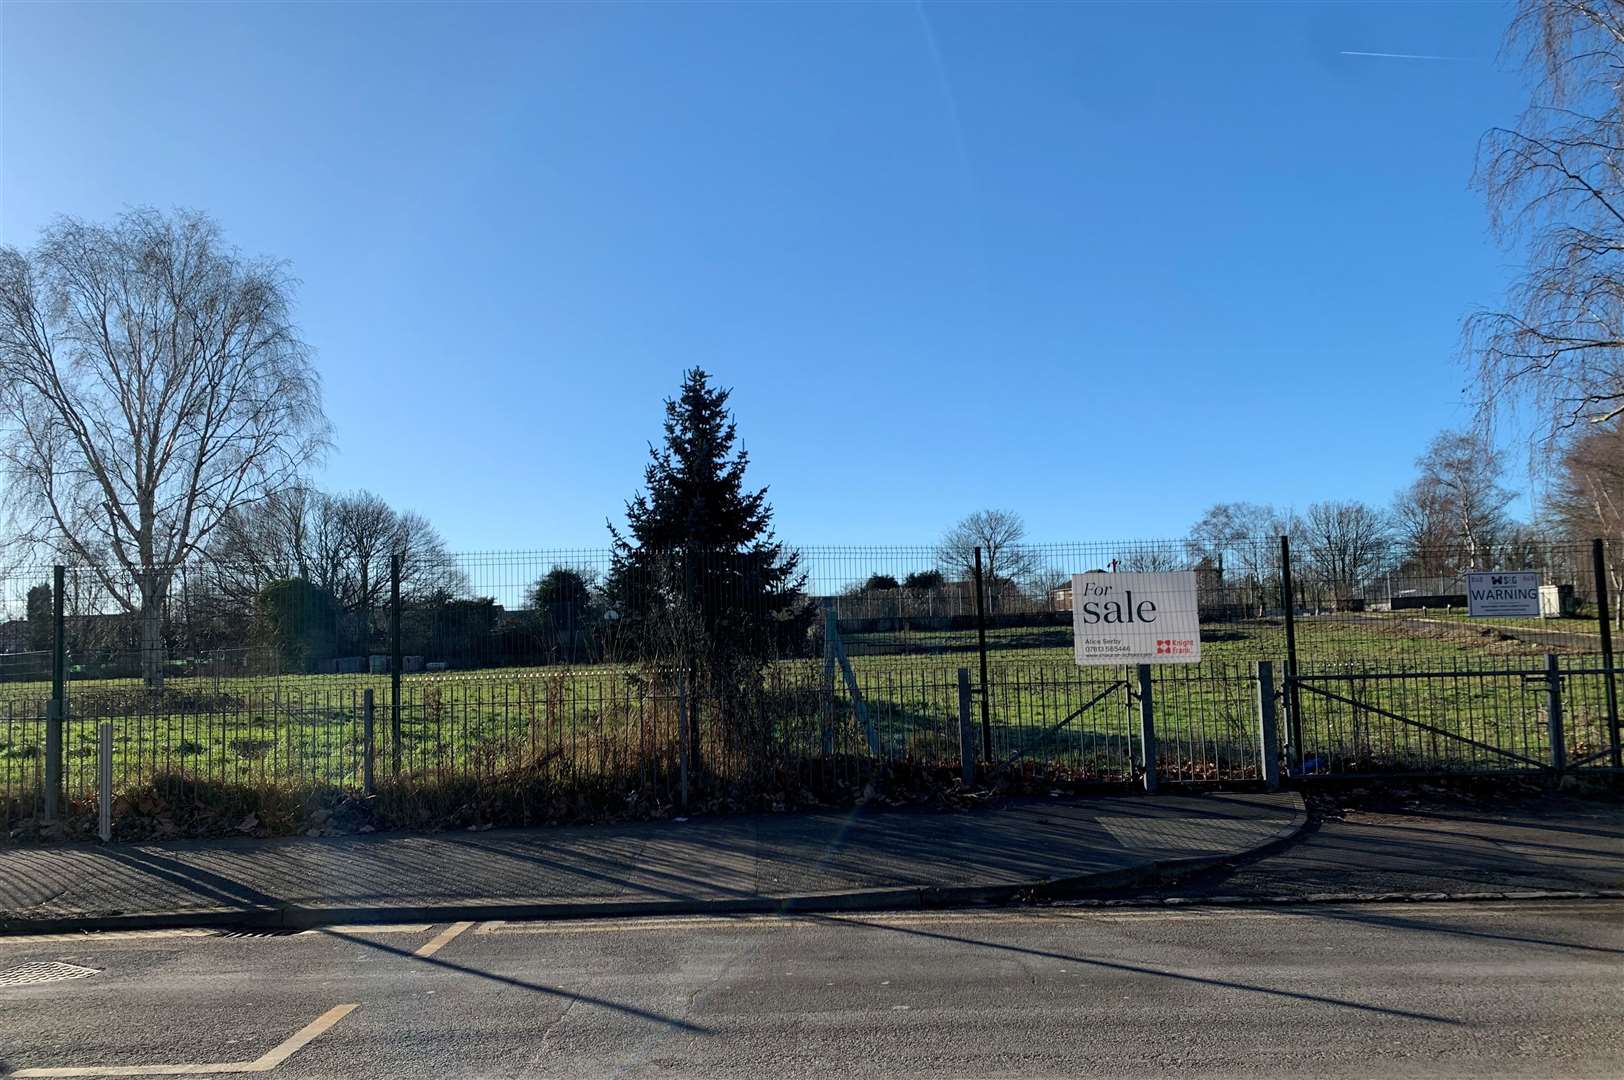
[[698, 579], [41, 618]]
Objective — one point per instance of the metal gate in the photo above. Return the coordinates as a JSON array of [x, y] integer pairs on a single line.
[[1555, 717]]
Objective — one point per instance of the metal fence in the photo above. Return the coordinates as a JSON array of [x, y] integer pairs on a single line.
[[638, 673]]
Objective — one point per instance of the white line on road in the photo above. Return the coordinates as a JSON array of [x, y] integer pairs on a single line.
[[265, 1063]]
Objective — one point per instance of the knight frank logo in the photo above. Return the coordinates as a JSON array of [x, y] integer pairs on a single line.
[[1170, 647]]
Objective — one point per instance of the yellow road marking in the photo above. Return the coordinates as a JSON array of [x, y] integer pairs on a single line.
[[440, 939], [265, 1063], [299, 1039], [794, 921]]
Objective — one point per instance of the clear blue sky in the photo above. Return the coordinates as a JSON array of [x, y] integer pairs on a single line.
[[1103, 265]]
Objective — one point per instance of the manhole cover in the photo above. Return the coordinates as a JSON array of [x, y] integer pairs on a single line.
[[50, 971]]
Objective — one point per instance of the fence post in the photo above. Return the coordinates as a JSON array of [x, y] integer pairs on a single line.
[[1553, 688], [104, 781], [394, 660], [981, 647], [1598, 548], [967, 730], [53, 759], [1268, 730], [1147, 728], [1294, 703], [369, 746], [682, 738], [831, 630], [57, 708]]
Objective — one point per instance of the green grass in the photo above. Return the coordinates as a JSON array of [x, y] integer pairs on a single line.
[[596, 719]]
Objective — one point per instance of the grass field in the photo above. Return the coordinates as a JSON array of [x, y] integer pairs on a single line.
[[605, 719]]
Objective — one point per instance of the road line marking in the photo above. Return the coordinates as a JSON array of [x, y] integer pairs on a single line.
[[270, 1060], [441, 938], [301, 1038]]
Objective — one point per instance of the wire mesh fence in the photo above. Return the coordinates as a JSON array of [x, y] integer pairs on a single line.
[[633, 670]]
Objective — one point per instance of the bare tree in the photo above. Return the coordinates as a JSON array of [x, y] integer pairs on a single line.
[[1586, 499], [1346, 542], [340, 543], [1005, 562], [1149, 559], [369, 532], [1241, 540], [151, 381], [1555, 187], [1451, 517]]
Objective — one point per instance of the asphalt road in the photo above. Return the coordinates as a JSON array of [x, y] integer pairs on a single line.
[[1526, 989]]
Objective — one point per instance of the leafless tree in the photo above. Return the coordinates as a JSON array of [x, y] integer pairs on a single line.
[[1453, 514], [1586, 499], [1005, 561], [340, 543], [1555, 188], [1150, 560], [369, 530], [151, 381], [1347, 543], [1242, 541]]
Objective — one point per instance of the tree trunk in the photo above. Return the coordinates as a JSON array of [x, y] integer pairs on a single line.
[[152, 636]]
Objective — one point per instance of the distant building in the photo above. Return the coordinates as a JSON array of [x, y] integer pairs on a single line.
[[1209, 578]]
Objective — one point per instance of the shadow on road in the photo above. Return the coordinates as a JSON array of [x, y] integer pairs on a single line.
[[506, 980], [1136, 969], [1401, 922]]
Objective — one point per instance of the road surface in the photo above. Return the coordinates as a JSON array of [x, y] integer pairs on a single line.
[[1397, 990]]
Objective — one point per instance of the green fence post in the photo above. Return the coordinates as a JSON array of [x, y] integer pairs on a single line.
[[1147, 728], [1604, 619], [967, 730], [56, 710], [981, 647], [368, 745], [394, 661], [1553, 709]]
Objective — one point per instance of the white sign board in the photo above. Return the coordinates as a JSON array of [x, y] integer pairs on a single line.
[[1135, 618], [1498, 592]]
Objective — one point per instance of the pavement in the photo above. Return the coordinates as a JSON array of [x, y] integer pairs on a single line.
[[1546, 845], [1525, 989], [850, 860]]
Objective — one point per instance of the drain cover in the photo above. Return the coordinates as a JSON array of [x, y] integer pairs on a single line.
[[50, 971]]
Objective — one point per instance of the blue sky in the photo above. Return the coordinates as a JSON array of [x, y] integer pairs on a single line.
[[1103, 265]]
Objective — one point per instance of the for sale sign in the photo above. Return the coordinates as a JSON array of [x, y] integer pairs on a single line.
[[1499, 592], [1135, 618]]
